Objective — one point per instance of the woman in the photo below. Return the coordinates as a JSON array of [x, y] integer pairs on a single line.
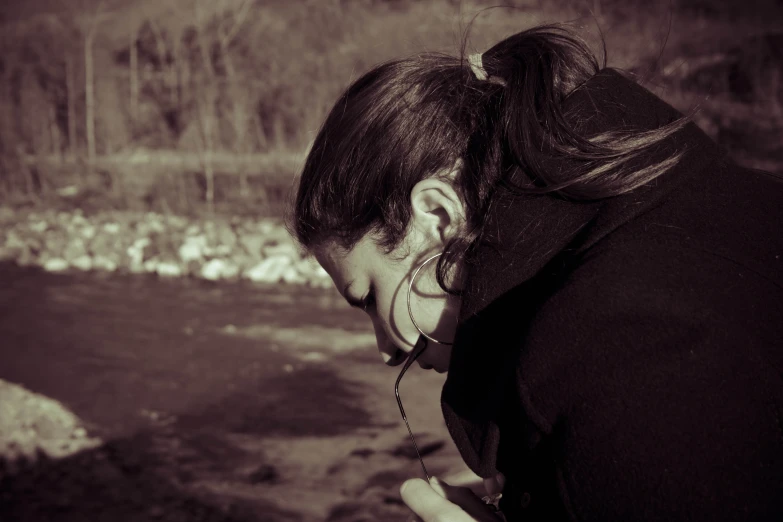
[[603, 286]]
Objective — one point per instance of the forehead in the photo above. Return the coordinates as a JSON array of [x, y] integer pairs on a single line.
[[343, 265]]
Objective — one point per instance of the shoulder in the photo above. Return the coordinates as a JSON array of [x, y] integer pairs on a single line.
[[631, 322], [659, 406]]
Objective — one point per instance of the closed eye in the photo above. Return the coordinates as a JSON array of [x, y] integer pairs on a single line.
[[368, 301]]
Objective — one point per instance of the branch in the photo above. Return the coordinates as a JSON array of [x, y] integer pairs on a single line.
[[239, 18]]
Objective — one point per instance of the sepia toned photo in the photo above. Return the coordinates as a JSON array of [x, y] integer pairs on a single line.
[[391, 260]]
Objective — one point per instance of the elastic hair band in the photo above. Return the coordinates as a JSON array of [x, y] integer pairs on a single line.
[[477, 66]]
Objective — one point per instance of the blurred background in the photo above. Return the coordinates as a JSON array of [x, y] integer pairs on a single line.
[[166, 353]]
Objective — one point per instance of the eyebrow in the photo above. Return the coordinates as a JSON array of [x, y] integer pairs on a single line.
[[356, 303]]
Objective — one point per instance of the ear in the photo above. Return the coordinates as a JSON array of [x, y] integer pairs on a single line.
[[438, 211]]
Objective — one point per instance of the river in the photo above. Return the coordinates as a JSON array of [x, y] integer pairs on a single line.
[[215, 401]]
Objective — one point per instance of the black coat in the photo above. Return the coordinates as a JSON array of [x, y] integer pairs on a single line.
[[622, 360]]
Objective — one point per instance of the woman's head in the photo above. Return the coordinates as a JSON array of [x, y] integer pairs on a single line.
[[408, 159], [410, 119]]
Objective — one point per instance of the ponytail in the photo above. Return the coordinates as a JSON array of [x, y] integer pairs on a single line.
[[532, 142], [514, 127], [541, 68]]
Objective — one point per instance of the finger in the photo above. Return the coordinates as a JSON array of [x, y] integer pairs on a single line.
[[429, 505]]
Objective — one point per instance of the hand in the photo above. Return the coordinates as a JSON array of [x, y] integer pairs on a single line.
[[439, 502]]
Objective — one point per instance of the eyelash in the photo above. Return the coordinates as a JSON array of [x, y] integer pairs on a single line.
[[369, 299]]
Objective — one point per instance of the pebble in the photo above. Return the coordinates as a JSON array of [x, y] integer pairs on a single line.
[[82, 263], [55, 265], [165, 269], [258, 250]]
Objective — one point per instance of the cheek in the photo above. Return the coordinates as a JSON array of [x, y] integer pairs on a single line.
[[393, 316]]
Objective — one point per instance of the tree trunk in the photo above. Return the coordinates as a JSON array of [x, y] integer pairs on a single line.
[[134, 78], [239, 106], [89, 98], [70, 81]]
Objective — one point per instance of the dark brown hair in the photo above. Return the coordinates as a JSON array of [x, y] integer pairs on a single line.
[[406, 120]]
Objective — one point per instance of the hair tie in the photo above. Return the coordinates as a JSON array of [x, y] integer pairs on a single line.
[[477, 66], [476, 62]]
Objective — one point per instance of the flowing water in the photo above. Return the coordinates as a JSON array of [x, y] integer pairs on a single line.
[[215, 401]]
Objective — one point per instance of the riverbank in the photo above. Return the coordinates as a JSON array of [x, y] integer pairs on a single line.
[[209, 400], [219, 248]]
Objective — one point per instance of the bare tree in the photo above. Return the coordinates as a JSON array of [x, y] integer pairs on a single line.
[[89, 84], [134, 74], [241, 103], [206, 104]]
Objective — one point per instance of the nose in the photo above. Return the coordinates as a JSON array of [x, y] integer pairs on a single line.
[[391, 355]]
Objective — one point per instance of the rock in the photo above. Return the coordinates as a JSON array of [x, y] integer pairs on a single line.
[[192, 249], [56, 264], [82, 263], [310, 269], [31, 423], [281, 249], [14, 241], [222, 251], [26, 258], [74, 249], [136, 267], [87, 231], [171, 246], [8, 254], [168, 269], [38, 226], [269, 270], [214, 269], [104, 263], [226, 236], [136, 250], [193, 230], [111, 228], [253, 244]]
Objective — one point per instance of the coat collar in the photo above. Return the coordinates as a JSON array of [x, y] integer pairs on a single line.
[[530, 235]]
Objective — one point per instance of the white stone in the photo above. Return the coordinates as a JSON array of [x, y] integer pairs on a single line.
[[104, 263], [190, 250], [135, 267], [213, 269], [38, 226], [55, 264], [270, 270], [7, 254], [111, 228], [286, 249], [222, 250], [88, 231], [83, 263], [230, 270], [168, 269]]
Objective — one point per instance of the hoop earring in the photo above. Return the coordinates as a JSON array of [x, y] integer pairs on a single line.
[[410, 312]]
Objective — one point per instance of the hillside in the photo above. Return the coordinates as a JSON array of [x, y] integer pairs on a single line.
[[87, 84]]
